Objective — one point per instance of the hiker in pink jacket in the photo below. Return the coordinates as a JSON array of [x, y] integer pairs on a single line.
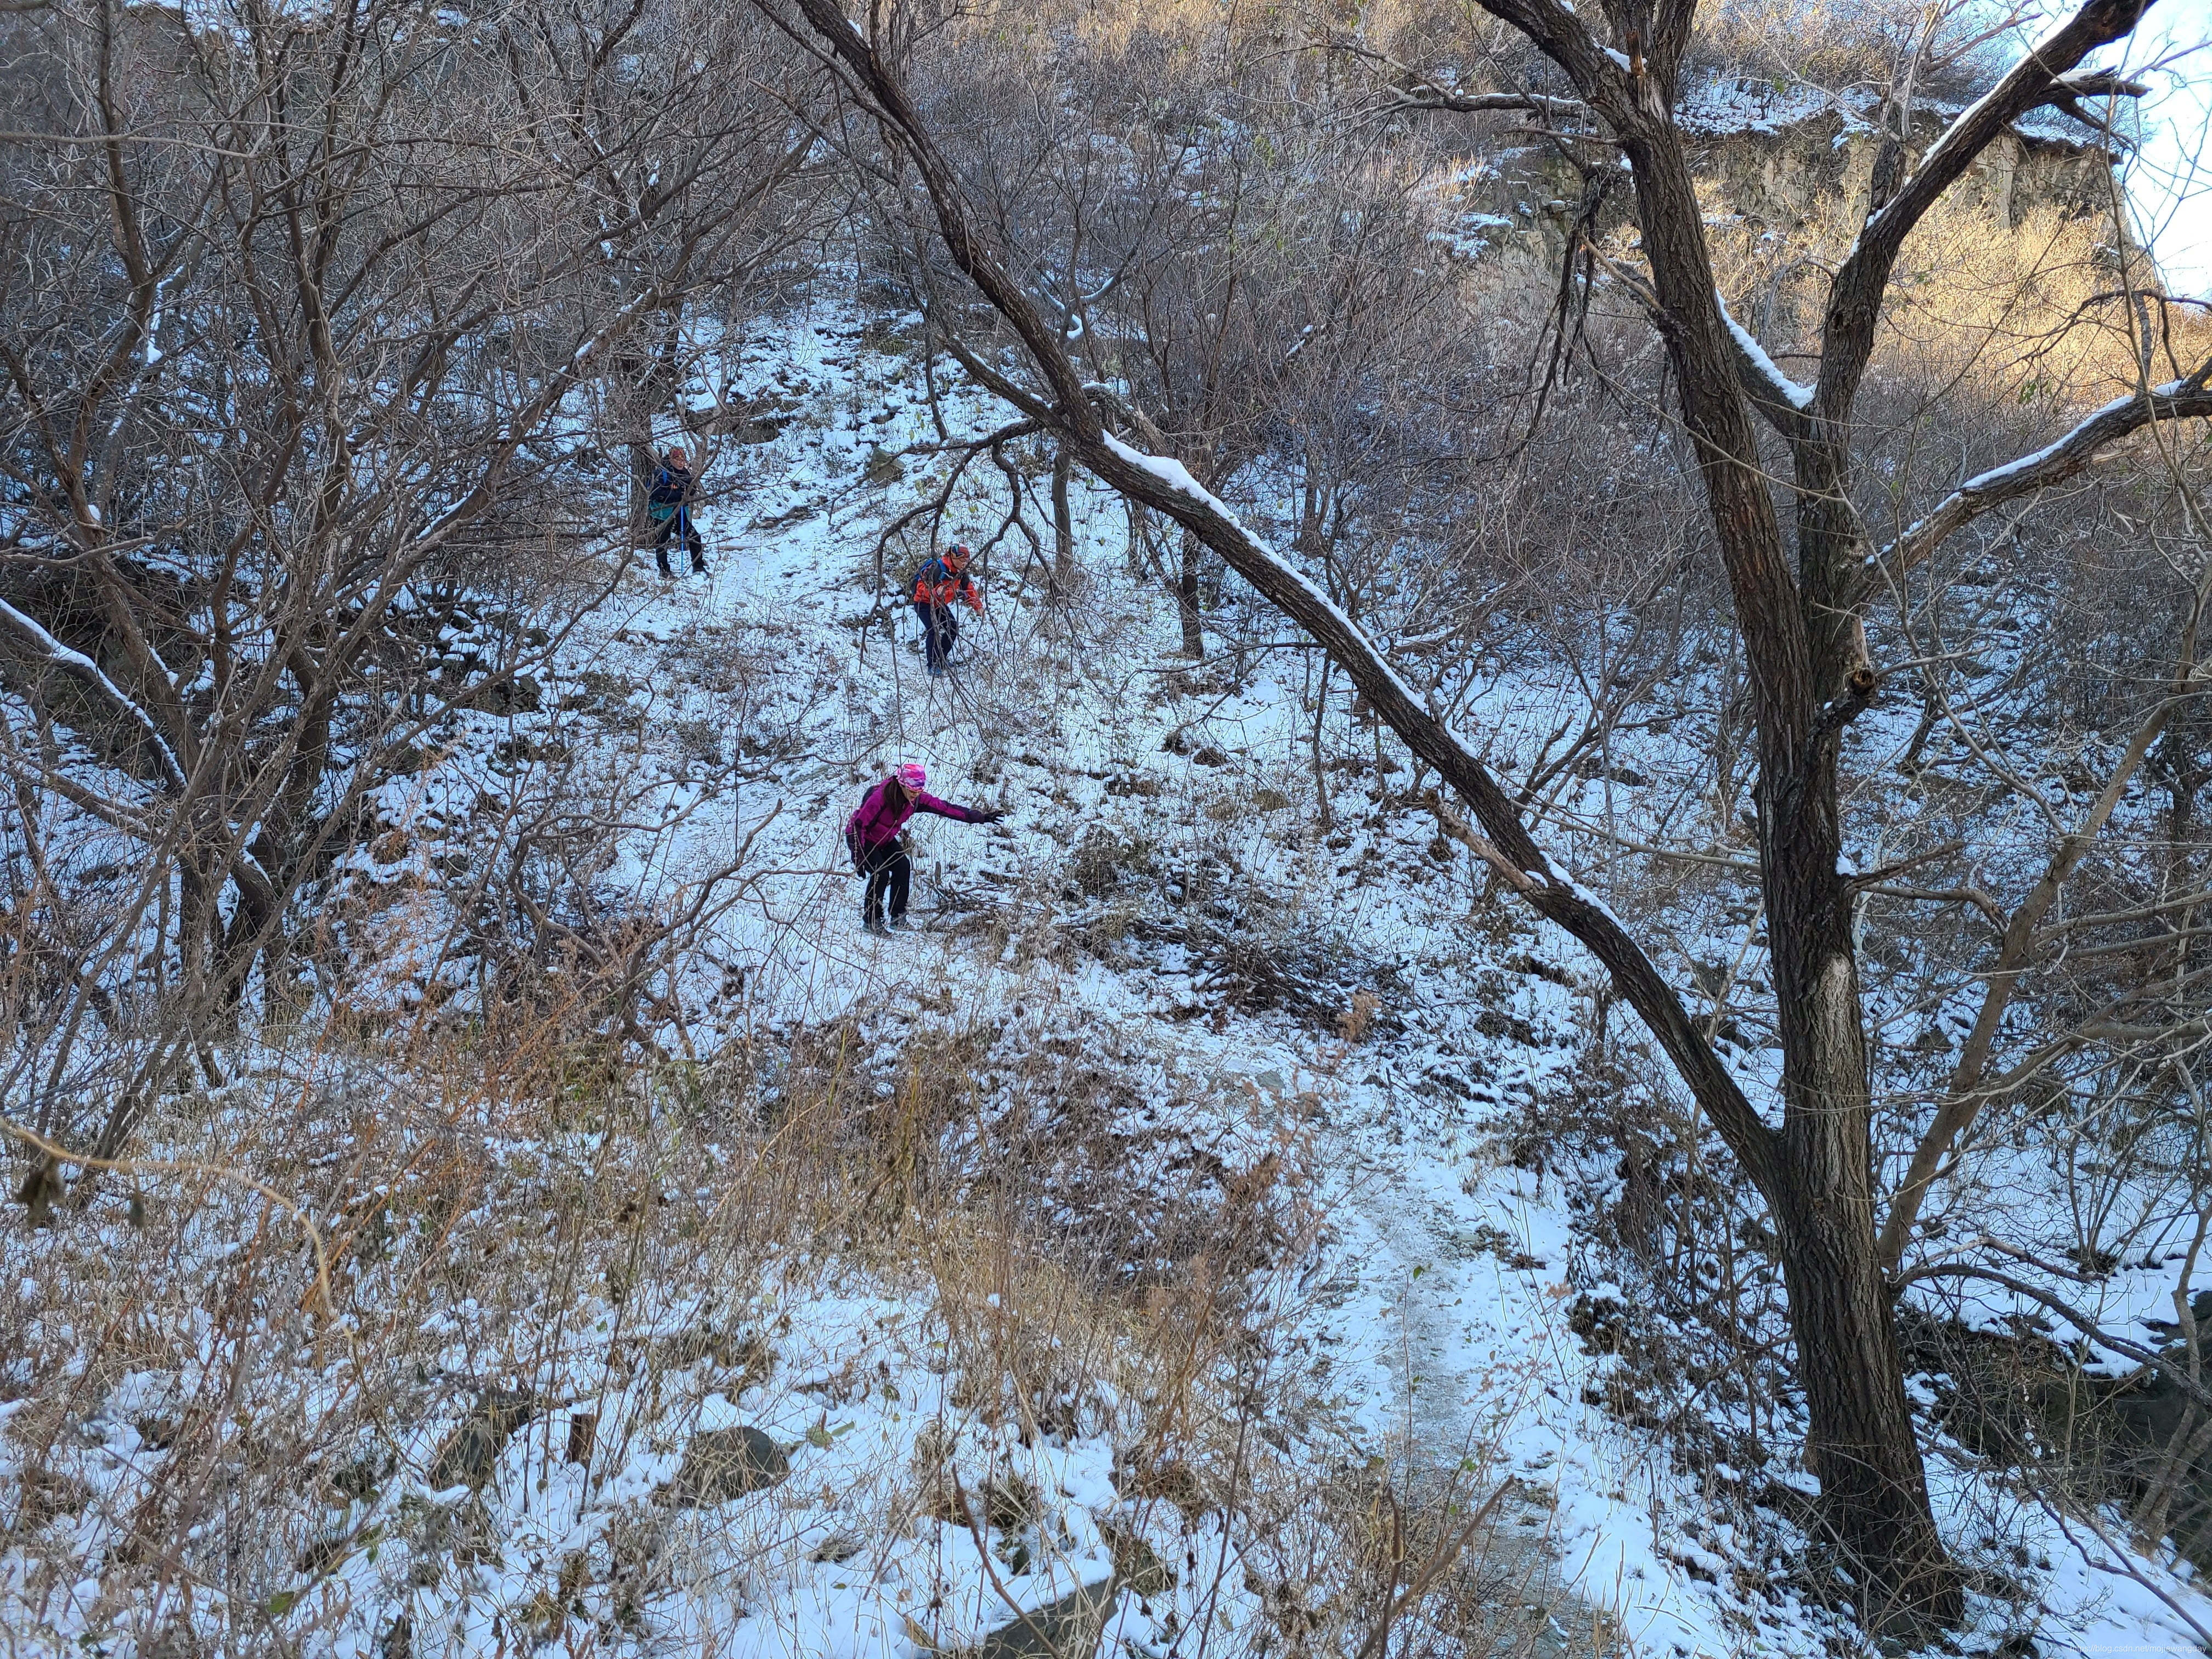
[[871, 835]]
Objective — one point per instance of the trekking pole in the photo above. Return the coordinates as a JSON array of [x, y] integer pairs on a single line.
[[898, 692]]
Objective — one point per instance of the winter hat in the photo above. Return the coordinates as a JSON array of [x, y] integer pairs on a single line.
[[911, 774], [959, 551]]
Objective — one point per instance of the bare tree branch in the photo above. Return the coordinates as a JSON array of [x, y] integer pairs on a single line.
[[45, 648], [2142, 1353], [2063, 459], [1855, 300]]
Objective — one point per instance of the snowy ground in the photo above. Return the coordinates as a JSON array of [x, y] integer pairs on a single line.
[[1446, 1275]]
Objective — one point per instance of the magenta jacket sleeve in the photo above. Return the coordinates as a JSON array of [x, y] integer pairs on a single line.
[[943, 809]]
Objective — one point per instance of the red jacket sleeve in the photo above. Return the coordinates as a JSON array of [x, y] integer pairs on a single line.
[[972, 594]]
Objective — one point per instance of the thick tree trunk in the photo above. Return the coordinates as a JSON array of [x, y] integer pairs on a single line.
[[1828, 570], [1873, 1494], [1860, 1443]]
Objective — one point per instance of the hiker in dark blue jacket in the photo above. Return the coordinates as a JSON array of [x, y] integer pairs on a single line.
[[669, 506]]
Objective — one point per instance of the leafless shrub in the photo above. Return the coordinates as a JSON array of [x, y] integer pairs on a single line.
[[299, 347]]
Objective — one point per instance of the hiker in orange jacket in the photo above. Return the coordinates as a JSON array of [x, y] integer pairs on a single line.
[[939, 586]]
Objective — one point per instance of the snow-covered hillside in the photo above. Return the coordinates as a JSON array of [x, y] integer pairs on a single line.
[[1334, 1020]]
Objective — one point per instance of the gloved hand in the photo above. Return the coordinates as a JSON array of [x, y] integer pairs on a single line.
[[989, 814]]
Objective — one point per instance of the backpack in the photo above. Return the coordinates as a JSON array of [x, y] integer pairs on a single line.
[[853, 843], [666, 498]]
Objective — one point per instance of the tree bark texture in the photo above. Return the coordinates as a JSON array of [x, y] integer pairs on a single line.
[[1874, 1490]]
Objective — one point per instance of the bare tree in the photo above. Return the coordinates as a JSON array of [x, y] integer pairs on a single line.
[[297, 343]]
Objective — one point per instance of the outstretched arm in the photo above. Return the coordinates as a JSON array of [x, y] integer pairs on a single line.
[[946, 809]]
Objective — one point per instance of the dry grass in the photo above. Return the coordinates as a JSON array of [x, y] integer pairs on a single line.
[[531, 1252]]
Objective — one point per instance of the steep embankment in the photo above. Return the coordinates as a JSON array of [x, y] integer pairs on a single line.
[[1165, 876], [1456, 1277], [676, 1434]]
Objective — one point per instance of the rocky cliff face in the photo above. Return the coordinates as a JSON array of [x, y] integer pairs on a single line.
[[1791, 165], [1791, 160]]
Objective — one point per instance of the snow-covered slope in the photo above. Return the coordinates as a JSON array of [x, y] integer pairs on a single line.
[[1160, 893]]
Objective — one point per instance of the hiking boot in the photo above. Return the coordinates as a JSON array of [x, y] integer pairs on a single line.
[[898, 925], [871, 924]]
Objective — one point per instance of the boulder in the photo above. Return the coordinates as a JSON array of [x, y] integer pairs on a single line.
[[1070, 1628], [1010, 1502], [1136, 1563], [471, 1450], [722, 1464]]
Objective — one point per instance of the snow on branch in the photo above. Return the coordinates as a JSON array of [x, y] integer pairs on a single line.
[[2054, 463], [1178, 477], [1428, 96], [1423, 92], [2099, 83], [1765, 378], [1505, 844], [1531, 869], [2068, 90], [45, 647]]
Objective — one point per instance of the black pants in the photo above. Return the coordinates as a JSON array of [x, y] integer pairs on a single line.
[[889, 872], [679, 523], [940, 630]]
